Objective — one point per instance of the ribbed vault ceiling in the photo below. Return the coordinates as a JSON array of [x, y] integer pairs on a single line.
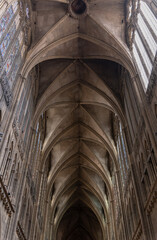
[[80, 90], [79, 144]]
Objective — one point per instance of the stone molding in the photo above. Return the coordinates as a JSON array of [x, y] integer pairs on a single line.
[[152, 202], [20, 232], [16, 130], [138, 233], [26, 22], [6, 91], [4, 197], [131, 21]]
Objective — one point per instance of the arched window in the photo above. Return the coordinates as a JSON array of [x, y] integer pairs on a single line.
[[144, 43]]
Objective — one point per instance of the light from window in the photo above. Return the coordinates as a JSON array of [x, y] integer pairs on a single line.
[[151, 19], [140, 67], [147, 35], [143, 52]]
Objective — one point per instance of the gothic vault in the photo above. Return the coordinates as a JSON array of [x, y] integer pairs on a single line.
[[78, 120]]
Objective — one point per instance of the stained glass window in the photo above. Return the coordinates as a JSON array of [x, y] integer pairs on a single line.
[[14, 59], [9, 37], [12, 47], [11, 57], [6, 41], [7, 17]]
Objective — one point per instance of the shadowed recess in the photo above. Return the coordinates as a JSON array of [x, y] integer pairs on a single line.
[[79, 223]]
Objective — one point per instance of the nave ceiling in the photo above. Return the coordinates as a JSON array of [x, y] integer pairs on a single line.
[[78, 120], [79, 63], [81, 102]]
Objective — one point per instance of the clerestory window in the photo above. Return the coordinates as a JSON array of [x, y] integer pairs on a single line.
[[144, 43]]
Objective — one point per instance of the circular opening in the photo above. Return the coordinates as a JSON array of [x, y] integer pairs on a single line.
[[78, 7]]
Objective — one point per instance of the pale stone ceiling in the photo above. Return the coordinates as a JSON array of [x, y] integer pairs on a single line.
[[79, 63]]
